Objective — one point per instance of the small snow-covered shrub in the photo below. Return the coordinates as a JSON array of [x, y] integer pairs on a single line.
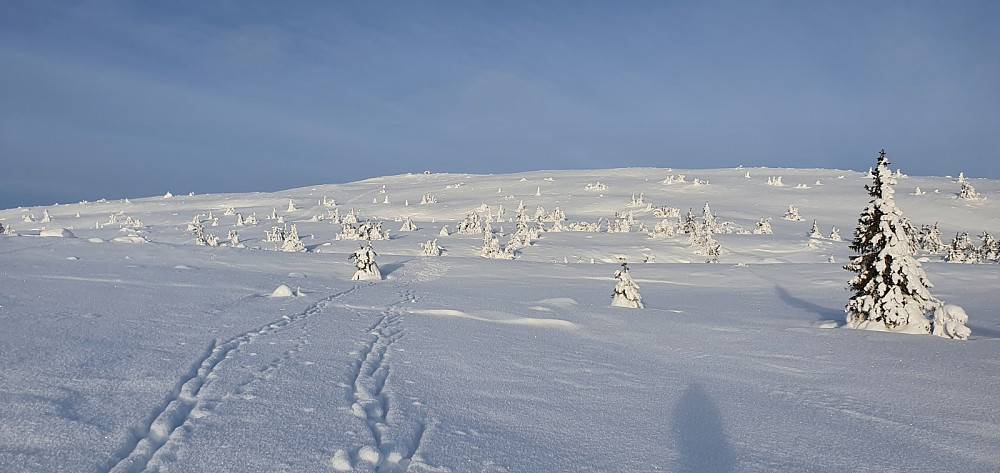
[[793, 214], [672, 179], [472, 224], [775, 181], [961, 250], [665, 229], [835, 234], [492, 250], [430, 248], [597, 186], [364, 261], [292, 243], [667, 212], [949, 322], [408, 225], [626, 292]]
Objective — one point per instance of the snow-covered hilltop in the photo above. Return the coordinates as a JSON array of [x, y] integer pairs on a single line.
[[148, 333]]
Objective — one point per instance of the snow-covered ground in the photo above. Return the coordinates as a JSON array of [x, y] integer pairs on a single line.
[[126, 347]]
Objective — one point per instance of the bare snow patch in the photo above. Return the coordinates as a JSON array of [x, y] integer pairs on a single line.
[[559, 302]]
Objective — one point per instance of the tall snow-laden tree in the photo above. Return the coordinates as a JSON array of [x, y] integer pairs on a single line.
[[364, 261], [626, 291], [890, 288]]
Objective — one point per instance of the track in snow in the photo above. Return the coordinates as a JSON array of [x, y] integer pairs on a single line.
[[176, 409]]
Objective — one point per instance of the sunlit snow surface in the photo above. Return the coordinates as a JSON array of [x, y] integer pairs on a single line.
[[132, 349]]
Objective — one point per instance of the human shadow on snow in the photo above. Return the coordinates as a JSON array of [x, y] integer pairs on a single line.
[[700, 435]]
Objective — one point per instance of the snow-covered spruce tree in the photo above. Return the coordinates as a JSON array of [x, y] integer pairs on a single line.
[[968, 192], [890, 289], [814, 232], [710, 219], [471, 225], [930, 239], [364, 261], [961, 250], [626, 291], [990, 250]]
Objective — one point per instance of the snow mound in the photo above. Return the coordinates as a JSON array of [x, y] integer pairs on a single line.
[[949, 322], [560, 302], [130, 239], [296, 275], [499, 318], [95, 240], [183, 266], [57, 233], [341, 461], [282, 291]]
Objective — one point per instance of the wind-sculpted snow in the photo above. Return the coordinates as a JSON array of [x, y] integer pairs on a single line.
[[170, 356]]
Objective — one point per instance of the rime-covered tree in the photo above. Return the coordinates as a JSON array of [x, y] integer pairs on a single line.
[[626, 291], [292, 243], [890, 289], [764, 227], [792, 213], [814, 232], [364, 261], [968, 192], [961, 250]]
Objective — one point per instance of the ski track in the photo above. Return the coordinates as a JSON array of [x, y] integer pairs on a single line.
[[398, 441], [146, 440], [369, 400]]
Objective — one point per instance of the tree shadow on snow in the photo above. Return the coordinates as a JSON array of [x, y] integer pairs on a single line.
[[824, 313], [698, 430], [389, 268]]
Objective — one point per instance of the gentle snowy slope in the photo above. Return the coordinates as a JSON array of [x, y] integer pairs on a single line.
[[129, 348]]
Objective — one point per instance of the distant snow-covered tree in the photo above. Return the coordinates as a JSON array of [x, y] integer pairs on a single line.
[[929, 239], [763, 227], [626, 293], [814, 232], [471, 225], [775, 181], [968, 192], [990, 250], [597, 186], [961, 250], [46, 218], [364, 261], [665, 229], [709, 218], [430, 248], [201, 238], [492, 250], [408, 225], [835, 234], [292, 243], [793, 213], [890, 289], [291, 206], [234, 238]]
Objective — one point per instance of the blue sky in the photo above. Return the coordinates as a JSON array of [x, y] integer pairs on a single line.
[[129, 99]]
